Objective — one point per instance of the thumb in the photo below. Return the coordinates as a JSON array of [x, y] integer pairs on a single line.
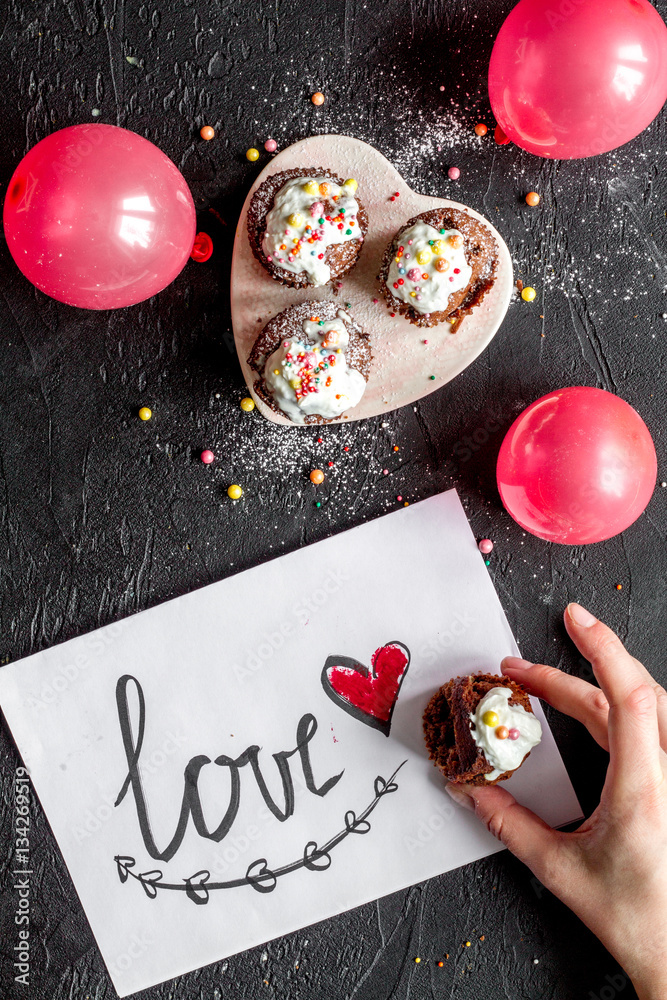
[[526, 835]]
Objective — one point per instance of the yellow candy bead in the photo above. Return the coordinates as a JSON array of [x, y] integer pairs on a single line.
[[247, 404], [145, 413], [490, 719], [252, 154], [276, 371], [423, 257], [310, 187], [295, 382], [234, 492], [437, 248], [528, 294], [351, 184], [295, 219]]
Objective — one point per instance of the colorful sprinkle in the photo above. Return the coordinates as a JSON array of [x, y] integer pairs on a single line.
[[317, 477], [417, 960], [270, 145], [485, 546], [207, 456], [532, 199], [528, 294], [432, 378], [207, 132], [399, 499], [318, 98], [234, 492], [453, 173], [619, 586], [252, 154], [247, 404]]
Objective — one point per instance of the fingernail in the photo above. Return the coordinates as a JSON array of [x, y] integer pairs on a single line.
[[515, 663], [580, 616], [462, 798]]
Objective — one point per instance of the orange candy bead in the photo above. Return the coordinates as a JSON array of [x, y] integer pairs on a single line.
[[317, 476], [318, 99], [481, 129], [207, 132], [502, 732], [532, 198]]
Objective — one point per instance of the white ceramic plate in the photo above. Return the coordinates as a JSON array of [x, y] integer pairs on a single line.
[[402, 364]]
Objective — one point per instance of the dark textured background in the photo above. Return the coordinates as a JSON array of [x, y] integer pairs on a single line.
[[103, 516]]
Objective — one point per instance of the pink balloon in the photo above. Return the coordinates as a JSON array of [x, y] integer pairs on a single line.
[[99, 217], [577, 466], [573, 78]]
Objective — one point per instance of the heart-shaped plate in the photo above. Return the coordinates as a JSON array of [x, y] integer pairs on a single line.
[[402, 363]]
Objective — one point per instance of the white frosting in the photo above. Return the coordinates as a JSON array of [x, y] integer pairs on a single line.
[[299, 228], [504, 755], [413, 275], [311, 376]]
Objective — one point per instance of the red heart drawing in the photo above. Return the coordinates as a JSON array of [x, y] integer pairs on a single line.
[[368, 695]]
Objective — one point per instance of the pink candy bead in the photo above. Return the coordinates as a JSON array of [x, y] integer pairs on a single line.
[[270, 145], [207, 457], [453, 173], [414, 274], [485, 546], [514, 734]]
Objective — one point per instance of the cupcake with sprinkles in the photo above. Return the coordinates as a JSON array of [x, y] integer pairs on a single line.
[[438, 267], [307, 227], [480, 728], [312, 363]]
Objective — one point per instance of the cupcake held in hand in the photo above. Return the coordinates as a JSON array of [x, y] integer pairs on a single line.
[[313, 362], [439, 267], [480, 728], [306, 227]]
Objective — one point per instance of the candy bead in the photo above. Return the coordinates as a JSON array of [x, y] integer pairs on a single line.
[[207, 456], [145, 413], [206, 132], [481, 129], [502, 732], [247, 404], [295, 219], [324, 189], [252, 154], [528, 294], [514, 734], [455, 240], [485, 546], [453, 173], [532, 198], [234, 492], [270, 145], [318, 99], [442, 265], [490, 718], [351, 184], [423, 257], [310, 187], [317, 476]]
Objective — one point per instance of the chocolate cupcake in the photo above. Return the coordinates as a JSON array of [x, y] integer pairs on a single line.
[[439, 267], [479, 729], [313, 362], [306, 227]]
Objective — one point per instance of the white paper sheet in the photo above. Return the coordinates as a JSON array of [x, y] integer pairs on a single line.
[[239, 664]]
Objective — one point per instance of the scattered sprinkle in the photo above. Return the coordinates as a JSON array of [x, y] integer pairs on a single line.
[[426, 341], [528, 294], [440, 965], [145, 413], [482, 936], [330, 464], [318, 98], [252, 154], [453, 173], [317, 476], [417, 960], [467, 944], [432, 378], [318, 504], [346, 448], [207, 132], [532, 198], [270, 145], [207, 456], [487, 562], [619, 586], [247, 404], [385, 472], [234, 492]]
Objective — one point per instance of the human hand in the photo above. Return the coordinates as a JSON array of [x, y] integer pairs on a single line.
[[612, 870]]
